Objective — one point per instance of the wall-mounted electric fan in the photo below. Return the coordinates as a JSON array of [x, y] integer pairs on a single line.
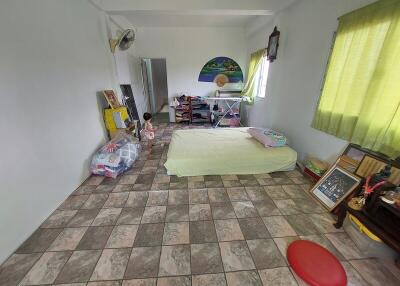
[[124, 41]]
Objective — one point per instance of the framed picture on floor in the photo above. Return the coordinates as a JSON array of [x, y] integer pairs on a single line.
[[111, 98], [335, 186]]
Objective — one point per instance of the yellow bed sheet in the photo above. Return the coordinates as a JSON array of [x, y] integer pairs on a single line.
[[196, 152]]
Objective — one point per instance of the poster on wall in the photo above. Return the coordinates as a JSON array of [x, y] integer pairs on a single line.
[[221, 70]]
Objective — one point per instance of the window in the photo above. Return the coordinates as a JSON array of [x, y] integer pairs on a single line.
[[261, 78], [360, 100]]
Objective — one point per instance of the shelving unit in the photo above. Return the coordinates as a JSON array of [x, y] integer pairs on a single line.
[[200, 110], [192, 109], [183, 110]]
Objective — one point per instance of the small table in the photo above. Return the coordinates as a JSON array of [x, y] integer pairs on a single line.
[[231, 102], [368, 218]]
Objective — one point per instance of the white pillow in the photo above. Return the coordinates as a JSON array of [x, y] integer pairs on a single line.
[[268, 137]]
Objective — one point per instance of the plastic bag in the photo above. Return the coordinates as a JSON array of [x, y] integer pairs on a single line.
[[115, 157]]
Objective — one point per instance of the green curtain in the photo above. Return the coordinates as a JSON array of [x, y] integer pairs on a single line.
[[250, 86], [360, 100]]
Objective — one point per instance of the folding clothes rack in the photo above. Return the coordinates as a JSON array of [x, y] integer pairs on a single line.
[[231, 103]]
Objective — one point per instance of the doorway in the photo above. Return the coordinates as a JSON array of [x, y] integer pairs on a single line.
[[156, 88]]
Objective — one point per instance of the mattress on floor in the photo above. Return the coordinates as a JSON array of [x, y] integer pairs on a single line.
[[224, 151]]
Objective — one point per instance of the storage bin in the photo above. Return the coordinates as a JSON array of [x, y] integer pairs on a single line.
[[367, 242]]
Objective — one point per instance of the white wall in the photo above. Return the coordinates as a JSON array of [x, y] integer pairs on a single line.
[[54, 58], [295, 78], [187, 50]]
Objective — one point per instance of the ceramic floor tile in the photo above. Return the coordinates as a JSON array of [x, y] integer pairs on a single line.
[[103, 283], [206, 258], [343, 243], [84, 190], [154, 214], [174, 281], [232, 183], [277, 277], [175, 260], [228, 230], [94, 180], [253, 228], [276, 192], [177, 213], [111, 265], [149, 235], [157, 198], [278, 226], [122, 188], [266, 182], [16, 267], [79, 267], [59, 219], [199, 212], [266, 208], [218, 195], [107, 217], [324, 223], [283, 242], [236, 256], [73, 202], [83, 218], [265, 253], [95, 238], [68, 239], [196, 185], [46, 268], [140, 282], [257, 194], [176, 233], [95, 201], [122, 236], [240, 278], [302, 224], [178, 197], [287, 207], [202, 232], [244, 209], [130, 216], [209, 280], [116, 200], [222, 211], [237, 194], [143, 263], [214, 184], [374, 272], [353, 277], [198, 196], [39, 241], [295, 192], [104, 189], [128, 179], [308, 206], [137, 199]]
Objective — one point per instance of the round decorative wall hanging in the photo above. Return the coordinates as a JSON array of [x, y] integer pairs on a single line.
[[221, 70]]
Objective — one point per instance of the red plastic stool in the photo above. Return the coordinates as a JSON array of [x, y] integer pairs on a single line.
[[315, 265]]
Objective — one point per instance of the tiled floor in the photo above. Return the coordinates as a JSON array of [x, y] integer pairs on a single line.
[[147, 228]]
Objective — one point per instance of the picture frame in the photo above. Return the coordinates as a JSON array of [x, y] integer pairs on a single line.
[[335, 186], [354, 153], [273, 44], [111, 98], [371, 165]]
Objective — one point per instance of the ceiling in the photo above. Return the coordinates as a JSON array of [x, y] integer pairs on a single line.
[[192, 13], [162, 20]]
